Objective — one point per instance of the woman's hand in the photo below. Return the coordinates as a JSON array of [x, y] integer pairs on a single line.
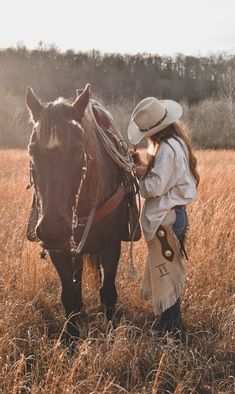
[[140, 171], [136, 158], [140, 165]]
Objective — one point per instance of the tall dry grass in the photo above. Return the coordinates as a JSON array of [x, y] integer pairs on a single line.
[[127, 358]]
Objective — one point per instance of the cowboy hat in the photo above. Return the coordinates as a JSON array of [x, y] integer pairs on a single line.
[[151, 116]]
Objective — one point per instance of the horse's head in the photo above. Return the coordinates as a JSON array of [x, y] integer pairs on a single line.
[[57, 155]]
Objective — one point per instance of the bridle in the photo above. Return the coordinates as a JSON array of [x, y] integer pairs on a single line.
[[75, 249]]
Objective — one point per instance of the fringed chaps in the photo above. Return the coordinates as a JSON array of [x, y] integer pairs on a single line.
[[165, 269]]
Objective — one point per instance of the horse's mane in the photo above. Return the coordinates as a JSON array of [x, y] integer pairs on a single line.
[[93, 145], [57, 118]]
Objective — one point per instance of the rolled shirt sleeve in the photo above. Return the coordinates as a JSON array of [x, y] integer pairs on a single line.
[[155, 183]]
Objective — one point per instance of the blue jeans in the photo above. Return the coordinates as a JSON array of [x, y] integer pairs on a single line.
[[181, 223], [170, 319]]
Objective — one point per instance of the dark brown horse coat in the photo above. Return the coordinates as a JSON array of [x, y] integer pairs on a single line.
[[57, 148]]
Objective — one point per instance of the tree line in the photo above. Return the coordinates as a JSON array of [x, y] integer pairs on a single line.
[[114, 78]]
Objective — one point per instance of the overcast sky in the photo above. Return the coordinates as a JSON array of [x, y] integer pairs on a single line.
[[195, 27]]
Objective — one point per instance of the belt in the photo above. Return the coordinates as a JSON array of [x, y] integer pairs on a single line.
[[180, 206]]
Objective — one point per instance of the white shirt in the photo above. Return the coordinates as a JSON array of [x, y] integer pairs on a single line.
[[169, 183]]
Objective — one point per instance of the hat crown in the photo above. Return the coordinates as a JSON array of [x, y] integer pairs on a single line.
[[150, 112], [151, 116]]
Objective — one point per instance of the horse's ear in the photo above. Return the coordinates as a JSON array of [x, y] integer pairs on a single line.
[[33, 104], [81, 102]]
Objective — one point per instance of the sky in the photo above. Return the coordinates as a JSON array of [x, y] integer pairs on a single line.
[[165, 27]]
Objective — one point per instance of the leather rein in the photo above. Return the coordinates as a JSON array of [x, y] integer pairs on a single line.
[[96, 214]]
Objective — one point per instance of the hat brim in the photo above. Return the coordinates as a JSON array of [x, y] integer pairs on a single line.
[[174, 112]]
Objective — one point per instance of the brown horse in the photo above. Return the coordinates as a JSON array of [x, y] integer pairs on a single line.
[[64, 142]]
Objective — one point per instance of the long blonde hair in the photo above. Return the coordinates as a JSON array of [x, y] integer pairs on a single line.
[[176, 129]]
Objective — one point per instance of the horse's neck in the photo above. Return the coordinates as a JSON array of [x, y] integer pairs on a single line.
[[102, 180], [111, 176]]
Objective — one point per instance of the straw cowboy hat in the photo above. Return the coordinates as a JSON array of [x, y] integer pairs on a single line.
[[151, 116]]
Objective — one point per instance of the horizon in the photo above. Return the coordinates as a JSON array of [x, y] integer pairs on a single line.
[[43, 46]]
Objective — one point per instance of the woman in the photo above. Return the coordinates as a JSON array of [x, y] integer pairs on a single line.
[[168, 184]]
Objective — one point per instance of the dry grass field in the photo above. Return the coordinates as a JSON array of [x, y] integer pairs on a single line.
[[127, 358]]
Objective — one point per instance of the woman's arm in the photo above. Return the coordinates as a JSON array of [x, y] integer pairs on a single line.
[[155, 182]]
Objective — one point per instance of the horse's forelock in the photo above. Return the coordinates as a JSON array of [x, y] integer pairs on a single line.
[[53, 124]]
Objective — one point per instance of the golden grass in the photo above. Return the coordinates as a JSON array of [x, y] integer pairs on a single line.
[[128, 358]]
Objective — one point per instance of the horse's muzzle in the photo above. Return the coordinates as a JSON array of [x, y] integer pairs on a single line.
[[54, 232]]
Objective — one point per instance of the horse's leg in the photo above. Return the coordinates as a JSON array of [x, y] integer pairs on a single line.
[[108, 268], [71, 295]]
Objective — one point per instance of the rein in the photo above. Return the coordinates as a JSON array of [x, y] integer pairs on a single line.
[[76, 249]]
